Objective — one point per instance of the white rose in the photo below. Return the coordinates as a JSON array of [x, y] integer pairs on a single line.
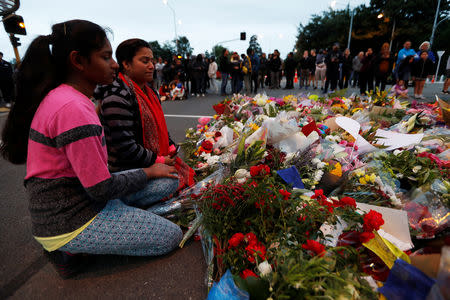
[[242, 173], [397, 152], [315, 160], [416, 169], [321, 165], [264, 268], [261, 100]]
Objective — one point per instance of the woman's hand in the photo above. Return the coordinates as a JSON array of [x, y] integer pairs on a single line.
[[168, 160], [161, 171]]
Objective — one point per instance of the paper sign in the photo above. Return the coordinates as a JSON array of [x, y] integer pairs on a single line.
[[395, 224], [332, 232], [396, 140], [349, 125]]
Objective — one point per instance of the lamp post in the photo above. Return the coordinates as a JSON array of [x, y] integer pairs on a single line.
[[333, 6], [166, 2]]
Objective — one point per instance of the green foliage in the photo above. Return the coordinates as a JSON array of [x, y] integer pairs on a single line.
[[413, 20], [217, 50], [183, 46], [253, 44]]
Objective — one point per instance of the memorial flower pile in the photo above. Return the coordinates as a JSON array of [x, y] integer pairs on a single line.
[[293, 186]]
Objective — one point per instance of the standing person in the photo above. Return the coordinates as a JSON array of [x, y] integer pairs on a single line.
[[289, 70], [6, 81], [187, 68], [346, 69], [247, 71], [405, 69], [262, 73], [447, 80], [333, 60], [366, 73], [198, 69], [54, 128], [422, 69], [356, 66], [224, 69], [255, 71], [304, 70], [212, 73], [402, 54], [235, 67], [205, 78], [383, 67], [425, 46], [159, 74], [321, 69], [275, 65], [312, 68]]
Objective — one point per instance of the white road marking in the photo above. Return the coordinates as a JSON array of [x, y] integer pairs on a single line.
[[187, 116]]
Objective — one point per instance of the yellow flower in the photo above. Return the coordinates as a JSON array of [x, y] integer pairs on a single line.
[[367, 178], [356, 109], [215, 117], [360, 173], [373, 177], [254, 126], [362, 180], [337, 171]]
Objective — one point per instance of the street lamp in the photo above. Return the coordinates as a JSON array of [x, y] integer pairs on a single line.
[[436, 24], [333, 6], [166, 2]]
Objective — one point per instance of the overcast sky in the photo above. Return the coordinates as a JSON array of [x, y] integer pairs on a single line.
[[204, 22]]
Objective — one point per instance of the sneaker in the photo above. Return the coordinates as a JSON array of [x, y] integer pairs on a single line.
[[198, 95], [66, 264], [8, 105], [193, 95], [421, 97], [203, 95], [416, 96]]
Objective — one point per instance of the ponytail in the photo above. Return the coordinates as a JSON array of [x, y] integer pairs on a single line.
[[44, 67]]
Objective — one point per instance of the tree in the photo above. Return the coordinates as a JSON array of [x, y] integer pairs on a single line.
[[413, 21], [217, 50], [183, 47], [165, 52], [254, 45]]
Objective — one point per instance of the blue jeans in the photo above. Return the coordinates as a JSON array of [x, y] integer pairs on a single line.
[[223, 86], [156, 190]]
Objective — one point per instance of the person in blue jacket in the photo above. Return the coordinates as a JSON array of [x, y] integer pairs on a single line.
[[402, 54], [425, 46]]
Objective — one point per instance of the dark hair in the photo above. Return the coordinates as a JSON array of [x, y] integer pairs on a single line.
[[41, 71], [128, 49], [249, 51], [199, 58], [224, 50], [1, 53]]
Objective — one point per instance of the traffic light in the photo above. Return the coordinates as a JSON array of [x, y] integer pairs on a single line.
[[243, 36], [15, 41], [14, 24]]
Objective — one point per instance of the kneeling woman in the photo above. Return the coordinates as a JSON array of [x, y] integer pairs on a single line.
[[54, 128], [135, 127]]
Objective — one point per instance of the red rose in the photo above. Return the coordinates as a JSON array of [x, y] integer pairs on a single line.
[[285, 194], [372, 221], [246, 273], [235, 240], [347, 201], [256, 248], [260, 170], [218, 134], [318, 194], [364, 237], [219, 108], [315, 247], [251, 238], [207, 146]]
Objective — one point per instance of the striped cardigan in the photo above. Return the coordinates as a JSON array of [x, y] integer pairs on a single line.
[[67, 180], [121, 119]]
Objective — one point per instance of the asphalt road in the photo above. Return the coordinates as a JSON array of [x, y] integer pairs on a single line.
[[26, 274]]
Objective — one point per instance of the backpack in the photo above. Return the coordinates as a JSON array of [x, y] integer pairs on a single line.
[[247, 67]]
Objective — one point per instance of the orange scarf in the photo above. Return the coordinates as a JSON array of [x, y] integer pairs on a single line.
[[154, 128]]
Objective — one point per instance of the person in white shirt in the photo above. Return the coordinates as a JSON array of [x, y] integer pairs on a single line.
[[159, 74], [212, 71]]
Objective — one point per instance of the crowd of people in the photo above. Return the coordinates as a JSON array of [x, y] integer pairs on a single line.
[[325, 69]]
